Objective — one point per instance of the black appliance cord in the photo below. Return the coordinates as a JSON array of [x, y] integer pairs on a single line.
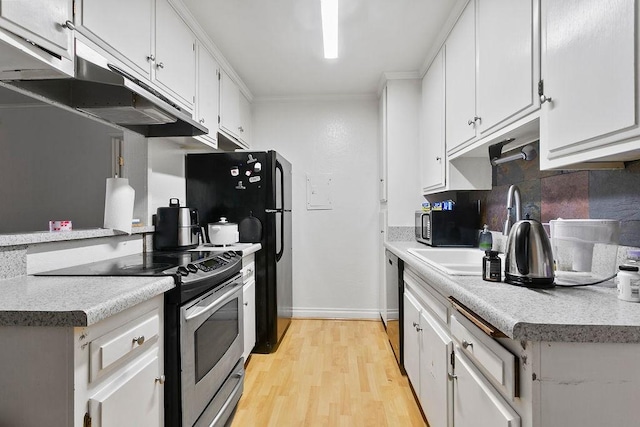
[[587, 284]]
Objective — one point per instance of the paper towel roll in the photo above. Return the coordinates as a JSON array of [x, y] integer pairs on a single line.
[[118, 204]]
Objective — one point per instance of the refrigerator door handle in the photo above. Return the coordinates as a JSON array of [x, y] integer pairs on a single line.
[[272, 210], [280, 251]]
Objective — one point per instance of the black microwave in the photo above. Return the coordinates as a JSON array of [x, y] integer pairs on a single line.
[[458, 227]]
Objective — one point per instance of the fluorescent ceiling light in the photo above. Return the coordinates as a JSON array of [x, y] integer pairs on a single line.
[[330, 27]]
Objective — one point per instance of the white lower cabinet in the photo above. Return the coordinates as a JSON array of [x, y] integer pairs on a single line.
[[427, 354], [109, 374], [117, 404], [461, 376], [475, 401], [249, 298]]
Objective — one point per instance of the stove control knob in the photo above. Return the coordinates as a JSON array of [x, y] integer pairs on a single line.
[[226, 255], [182, 270], [233, 254], [192, 268]]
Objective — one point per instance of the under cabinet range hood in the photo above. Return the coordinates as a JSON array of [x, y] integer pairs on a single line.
[[109, 93]]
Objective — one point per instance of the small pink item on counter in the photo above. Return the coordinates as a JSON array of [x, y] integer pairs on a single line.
[[59, 225]]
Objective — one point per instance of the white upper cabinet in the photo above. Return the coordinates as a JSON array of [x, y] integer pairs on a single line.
[[432, 138], [589, 70], [508, 60], [36, 40], [235, 113], [43, 22], [208, 96], [127, 35], [245, 119], [492, 70], [175, 60], [160, 49], [461, 118], [438, 172]]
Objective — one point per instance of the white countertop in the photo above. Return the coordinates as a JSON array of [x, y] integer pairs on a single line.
[[73, 301], [82, 301], [585, 314]]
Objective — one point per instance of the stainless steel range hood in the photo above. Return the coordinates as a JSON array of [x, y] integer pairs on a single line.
[[109, 93]]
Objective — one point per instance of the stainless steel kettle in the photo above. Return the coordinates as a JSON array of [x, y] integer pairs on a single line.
[[529, 260]]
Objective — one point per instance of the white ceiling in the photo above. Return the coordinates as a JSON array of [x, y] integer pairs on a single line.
[[275, 46]]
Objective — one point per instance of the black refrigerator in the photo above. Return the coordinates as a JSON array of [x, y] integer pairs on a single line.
[[238, 185]]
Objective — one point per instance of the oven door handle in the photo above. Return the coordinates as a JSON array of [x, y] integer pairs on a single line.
[[197, 310]]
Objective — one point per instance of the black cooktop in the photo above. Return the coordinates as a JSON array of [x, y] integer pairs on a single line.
[[148, 264]]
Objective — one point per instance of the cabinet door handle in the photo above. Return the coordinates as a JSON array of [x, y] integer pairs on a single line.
[[160, 379], [139, 340], [544, 99], [438, 158], [151, 58], [68, 25], [246, 303], [201, 121], [473, 121], [466, 344], [451, 376], [240, 129], [160, 65]]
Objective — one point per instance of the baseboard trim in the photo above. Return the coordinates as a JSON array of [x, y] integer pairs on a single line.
[[333, 313]]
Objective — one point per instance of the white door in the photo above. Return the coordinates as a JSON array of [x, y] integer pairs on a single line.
[[208, 92], [476, 402], [249, 320], [125, 26], [436, 388], [589, 72], [411, 325], [460, 86], [432, 140], [382, 148], [229, 105], [505, 60], [41, 22], [133, 399], [245, 120], [175, 62]]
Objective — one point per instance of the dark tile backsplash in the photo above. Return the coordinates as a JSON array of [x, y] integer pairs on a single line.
[[546, 195]]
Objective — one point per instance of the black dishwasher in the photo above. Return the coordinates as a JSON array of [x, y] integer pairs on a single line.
[[394, 286]]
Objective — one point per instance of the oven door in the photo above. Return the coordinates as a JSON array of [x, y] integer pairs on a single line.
[[211, 345]]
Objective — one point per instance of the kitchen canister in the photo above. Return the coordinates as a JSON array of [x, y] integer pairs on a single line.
[[628, 283]]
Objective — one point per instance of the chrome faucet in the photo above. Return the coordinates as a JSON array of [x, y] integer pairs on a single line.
[[513, 198]]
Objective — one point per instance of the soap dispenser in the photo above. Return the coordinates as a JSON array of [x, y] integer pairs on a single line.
[[486, 239]]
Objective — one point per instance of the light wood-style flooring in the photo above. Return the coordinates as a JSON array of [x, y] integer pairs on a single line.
[[328, 373]]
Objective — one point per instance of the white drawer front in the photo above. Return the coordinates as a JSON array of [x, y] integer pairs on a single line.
[[498, 363], [421, 290], [115, 345]]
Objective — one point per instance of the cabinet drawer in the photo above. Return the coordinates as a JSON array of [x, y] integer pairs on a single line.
[[427, 297], [498, 363], [114, 346]]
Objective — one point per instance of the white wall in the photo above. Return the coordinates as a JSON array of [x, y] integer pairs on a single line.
[[335, 264], [166, 174]]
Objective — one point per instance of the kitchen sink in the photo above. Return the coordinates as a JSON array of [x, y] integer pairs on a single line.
[[453, 261]]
